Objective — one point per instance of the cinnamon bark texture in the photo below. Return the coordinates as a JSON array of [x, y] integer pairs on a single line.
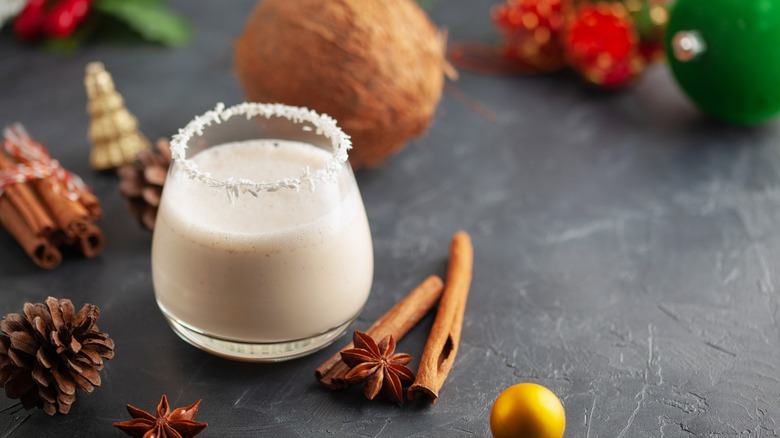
[[39, 249], [25, 201], [396, 322], [45, 207], [442, 344], [71, 216]]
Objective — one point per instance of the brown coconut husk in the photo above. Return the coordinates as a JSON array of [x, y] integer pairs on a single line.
[[375, 66]]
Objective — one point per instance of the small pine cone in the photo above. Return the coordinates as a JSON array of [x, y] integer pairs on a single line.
[[142, 182], [50, 351]]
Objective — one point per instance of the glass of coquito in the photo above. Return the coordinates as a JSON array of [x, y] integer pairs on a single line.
[[261, 249]]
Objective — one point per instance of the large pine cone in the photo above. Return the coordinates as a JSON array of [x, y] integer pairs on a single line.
[[141, 183], [49, 351]]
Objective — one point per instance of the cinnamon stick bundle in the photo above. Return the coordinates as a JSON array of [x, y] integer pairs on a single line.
[[442, 344], [25, 202], [40, 250], [38, 208], [396, 322], [71, 216]]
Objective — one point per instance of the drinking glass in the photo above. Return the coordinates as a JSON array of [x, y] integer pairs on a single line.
[[261, 248]]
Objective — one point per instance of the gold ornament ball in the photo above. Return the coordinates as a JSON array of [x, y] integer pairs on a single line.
[[527, 410]]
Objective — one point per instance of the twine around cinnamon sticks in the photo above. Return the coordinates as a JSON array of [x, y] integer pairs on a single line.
[[45, 207], [442, 345]]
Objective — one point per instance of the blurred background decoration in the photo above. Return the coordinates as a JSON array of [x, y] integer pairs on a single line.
[[63, 25], [608, 42], [722, 53]]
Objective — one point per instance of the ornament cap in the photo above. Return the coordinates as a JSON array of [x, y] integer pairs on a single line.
[[688, 45]]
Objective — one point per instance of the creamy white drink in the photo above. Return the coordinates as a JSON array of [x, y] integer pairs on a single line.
[[275, 267]]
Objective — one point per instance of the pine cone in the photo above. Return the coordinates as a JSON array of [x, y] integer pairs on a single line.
[[142, 182], [49, 351]]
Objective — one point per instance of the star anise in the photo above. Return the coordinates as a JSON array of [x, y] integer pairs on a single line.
[[177, 424], [378, 366]]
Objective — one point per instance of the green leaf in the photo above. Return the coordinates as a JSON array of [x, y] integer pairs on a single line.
[[150, 18], [63, 46], [71, 43]]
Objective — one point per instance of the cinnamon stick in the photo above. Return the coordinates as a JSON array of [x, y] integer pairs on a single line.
[[442, 344], [91, 203], [40, 250], [28, 205], [397, 322], [72, 217], [91, 240]]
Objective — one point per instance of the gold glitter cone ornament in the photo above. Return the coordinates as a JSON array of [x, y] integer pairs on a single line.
[[113, 131]]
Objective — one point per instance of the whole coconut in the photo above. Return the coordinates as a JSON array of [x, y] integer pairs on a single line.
[[376, 66]]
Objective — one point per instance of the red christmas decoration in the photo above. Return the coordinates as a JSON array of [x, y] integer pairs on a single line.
[[64, 17], [532, 29], [609, 42], [29, 22], [66, 24], [601, 42], [52, 19]]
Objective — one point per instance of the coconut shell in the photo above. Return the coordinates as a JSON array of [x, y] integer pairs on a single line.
[[374, 66]]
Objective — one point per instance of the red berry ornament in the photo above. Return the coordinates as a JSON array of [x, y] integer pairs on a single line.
[[602, 44], [532, 29], [80, 9], [62, 19], [29, 22]]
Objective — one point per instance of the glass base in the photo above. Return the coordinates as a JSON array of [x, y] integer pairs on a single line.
[[255, 352]]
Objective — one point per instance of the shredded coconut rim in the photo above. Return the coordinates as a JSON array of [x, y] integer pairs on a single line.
[[324, 125]]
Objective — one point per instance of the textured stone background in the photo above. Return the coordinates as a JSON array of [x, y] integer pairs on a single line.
[[625, 252]]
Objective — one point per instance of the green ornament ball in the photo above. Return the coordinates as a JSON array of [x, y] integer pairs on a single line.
[[725, 55]]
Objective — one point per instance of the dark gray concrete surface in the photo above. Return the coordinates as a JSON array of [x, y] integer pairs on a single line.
[[626, 253]]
